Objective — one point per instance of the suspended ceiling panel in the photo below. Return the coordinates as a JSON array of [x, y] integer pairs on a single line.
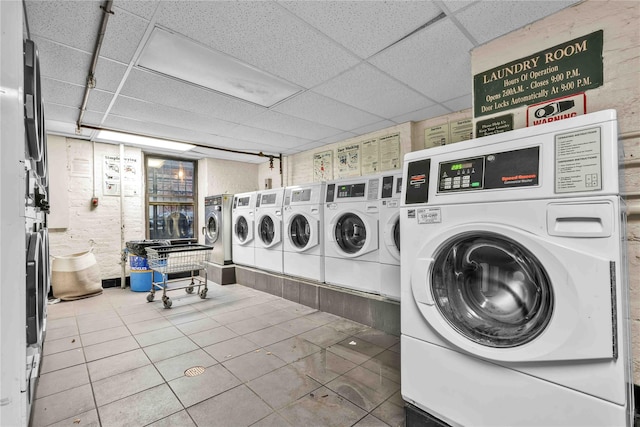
[[361, 66]]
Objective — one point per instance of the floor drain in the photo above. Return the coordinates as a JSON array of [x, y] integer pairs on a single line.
[[195, 371]]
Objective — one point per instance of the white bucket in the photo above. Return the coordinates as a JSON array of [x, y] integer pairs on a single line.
[[75, 276]]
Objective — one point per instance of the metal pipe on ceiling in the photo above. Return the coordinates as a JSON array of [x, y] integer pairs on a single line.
[[91, 79]]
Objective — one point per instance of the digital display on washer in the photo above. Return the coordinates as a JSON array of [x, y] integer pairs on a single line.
[[508, 169], [351, 190], [243, 201], [268, 199], [461, 175], [301, 195]]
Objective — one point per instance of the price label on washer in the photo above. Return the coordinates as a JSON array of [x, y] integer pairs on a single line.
[[429, 216]]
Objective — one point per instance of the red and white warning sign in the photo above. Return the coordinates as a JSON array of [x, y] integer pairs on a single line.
[[557, 109]]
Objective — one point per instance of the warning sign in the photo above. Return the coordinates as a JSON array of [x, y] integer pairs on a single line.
[[557, 109]]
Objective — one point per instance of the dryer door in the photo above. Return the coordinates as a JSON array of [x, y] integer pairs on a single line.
[[303, 232], [354, 233], [212, 229], [269, 231], [242, 229], [503, 294]]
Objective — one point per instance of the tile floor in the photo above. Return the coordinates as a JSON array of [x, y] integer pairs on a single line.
[[117, 360]]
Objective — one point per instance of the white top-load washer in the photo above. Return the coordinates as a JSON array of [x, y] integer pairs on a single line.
[[243, 215], [268, 230], [351, 214], [303, 251], [514, 282], [390, 190]]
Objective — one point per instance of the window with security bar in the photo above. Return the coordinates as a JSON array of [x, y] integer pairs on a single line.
[[171, 198]]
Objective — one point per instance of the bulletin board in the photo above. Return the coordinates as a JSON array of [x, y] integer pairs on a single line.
[[389, 147], [370, 163], [323, 166], [348, 161]]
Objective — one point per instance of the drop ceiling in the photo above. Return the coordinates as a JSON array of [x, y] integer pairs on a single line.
[[361, 66]]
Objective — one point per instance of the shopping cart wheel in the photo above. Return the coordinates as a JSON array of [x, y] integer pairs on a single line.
[[189, 290], [150, 297], [203, 293], [167, 302]]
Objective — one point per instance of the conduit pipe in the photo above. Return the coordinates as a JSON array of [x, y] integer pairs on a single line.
[[91, 79]]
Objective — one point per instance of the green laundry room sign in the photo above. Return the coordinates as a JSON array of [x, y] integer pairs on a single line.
[[564, 69]]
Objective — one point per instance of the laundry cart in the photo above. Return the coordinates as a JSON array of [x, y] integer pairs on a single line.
[[178, 259]]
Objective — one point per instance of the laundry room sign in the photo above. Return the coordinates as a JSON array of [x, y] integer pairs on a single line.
[[562, 70]]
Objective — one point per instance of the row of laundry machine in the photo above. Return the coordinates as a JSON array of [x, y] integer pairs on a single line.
[[36, 208], [343, 232]]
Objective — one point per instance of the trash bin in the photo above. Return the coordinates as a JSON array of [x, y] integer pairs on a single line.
[[141, 275]]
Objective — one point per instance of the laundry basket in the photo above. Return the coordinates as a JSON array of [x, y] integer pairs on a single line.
[[75, 276]]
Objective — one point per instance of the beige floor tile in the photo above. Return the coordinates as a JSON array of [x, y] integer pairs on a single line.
[[179, 419], [62, 360], [169, 349], [322, 408], [159, 335], [247, 409], [215, 380], [61, 380], [175, 367], [98, 337], [114, 365], [253, 365], [229, 349], [126, 384], [140, 409], [212, 336], [62, 344], [283, 386], [86, 419], [63, 405], [110, 348]]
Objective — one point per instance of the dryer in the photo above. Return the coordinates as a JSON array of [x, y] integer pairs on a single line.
[[217, 229], [303, 250], [514, 306], [351, 215], [390, 190], [268, 230], [243, 214]]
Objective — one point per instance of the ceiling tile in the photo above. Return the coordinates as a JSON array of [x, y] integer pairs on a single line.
[[143, 9], [99, 100], [374, 127], [62, 93], [156, 113], [62, 63], [486, 20], [458, 104], [262, 34], [158, 89], [274, 139], [422, 114], [365, 27], [65, 128], [109, 74], [288, 125], [337, 138], [91, 118], [369, 89], [124, 33], [412, 61], [313, 107], [72, 23], [455, 5], [61, 113]]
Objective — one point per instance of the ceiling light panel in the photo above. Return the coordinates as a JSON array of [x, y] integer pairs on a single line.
[[174, 93], [263, 34], [182, 58], [361, 26], [440, 80], [126, 138]]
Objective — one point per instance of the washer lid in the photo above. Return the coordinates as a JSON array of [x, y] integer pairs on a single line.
[[504, 294]]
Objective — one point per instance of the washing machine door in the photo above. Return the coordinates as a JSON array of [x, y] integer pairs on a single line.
[[269, 230], [242, 229], [503, 294], [212, 230], [302, 232], [353, 233], [36, 288], [392, 236]]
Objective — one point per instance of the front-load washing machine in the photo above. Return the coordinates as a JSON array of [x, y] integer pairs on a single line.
[[268, 230], [303, 250], [243, 214], [514, 306], [351, 214], [390, 190], [217, 229]]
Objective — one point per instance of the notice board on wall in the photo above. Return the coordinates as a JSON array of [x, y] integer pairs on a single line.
[[323, 166], [370, 162], [111, 176], [348, 161], [389, 147]]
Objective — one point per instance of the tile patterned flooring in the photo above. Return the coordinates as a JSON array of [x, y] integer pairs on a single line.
[[117, 360]]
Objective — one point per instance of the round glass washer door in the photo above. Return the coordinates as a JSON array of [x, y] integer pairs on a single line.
[[350, 233], [212, 228], [299, 231], [396, 233], [491, 289], [242, 229], [266, 230]]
